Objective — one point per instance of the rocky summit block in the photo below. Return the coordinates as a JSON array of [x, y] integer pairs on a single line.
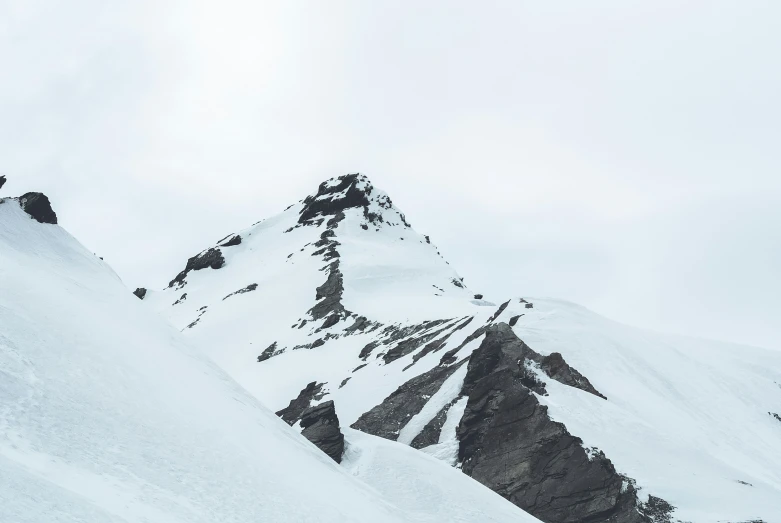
[[334, 196], [37, 205]]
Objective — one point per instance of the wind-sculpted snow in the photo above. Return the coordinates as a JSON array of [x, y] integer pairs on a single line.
[[107, 414], [350, 296]]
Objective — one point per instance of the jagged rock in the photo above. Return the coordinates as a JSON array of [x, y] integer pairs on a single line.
[[778, 417], [529, 305], [181, 299], [2, 181], [437, 344], [411, 344], [390, 416], [210, 258], [478, 296], [292, 413], [140, 293], [249, 288], [515, 319], [37, 205], [450, 356], [330, 321], [658, 510], [268, 353], [367, 349], [508, 442], [333, 199], [329, 294], [321, 426], [555, 367], [235, 239], [498, 312], [430, 433]]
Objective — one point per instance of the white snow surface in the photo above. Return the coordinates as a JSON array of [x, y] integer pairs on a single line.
[[689, 420], [108, 414]]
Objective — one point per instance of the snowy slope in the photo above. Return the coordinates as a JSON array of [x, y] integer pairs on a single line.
[[109, 414], [349, 296]]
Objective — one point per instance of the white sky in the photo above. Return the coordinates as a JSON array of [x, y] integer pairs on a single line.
[[623, 155]]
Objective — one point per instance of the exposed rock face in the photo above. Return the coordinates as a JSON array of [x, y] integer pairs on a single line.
[[249, 288], [234, 239], [430, 433], [331, 199], [37, 205], [390, 416], [2, 181], [321, 426], [554, 366], [292, 413], [329, 294], [268, 353], [210, 258], [499, 311], [509, 443], [515, 319], [140, 293]]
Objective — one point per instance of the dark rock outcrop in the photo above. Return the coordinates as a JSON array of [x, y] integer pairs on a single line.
[[292, 413], [39, 208], [210, 258], [555, 367], [140, 293], [515, 319], [430, 433], [498, 312], [249, 288], [509, 443], [321, 426], [232, 241], [390, 416], [329, 294], [332, 198], [268, 353], [2, 180]]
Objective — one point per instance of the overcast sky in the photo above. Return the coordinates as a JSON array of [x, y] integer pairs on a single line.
[[623, 155]]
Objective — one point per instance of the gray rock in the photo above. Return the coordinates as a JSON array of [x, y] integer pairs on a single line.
[[390, 416], [210, 258], [321, 426], [249, 288], [508, 442], [329, 294], [140, 293], [234, 239], [39, 208], [292, 413], [2, 180], [268, 353], [333, 200]]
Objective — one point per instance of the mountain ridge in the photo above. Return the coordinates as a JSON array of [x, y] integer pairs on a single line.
[[366, 309]]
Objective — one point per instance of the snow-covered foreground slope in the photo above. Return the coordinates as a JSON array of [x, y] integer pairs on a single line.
[[338, 298], [107, 414]]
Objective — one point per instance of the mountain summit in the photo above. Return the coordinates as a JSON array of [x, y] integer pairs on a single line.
[[337, 313]]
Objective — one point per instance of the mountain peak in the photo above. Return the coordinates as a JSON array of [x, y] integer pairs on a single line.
[[349, 191]]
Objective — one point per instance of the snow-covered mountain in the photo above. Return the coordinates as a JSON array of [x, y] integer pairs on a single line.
[[109, 414], [568, 415]]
